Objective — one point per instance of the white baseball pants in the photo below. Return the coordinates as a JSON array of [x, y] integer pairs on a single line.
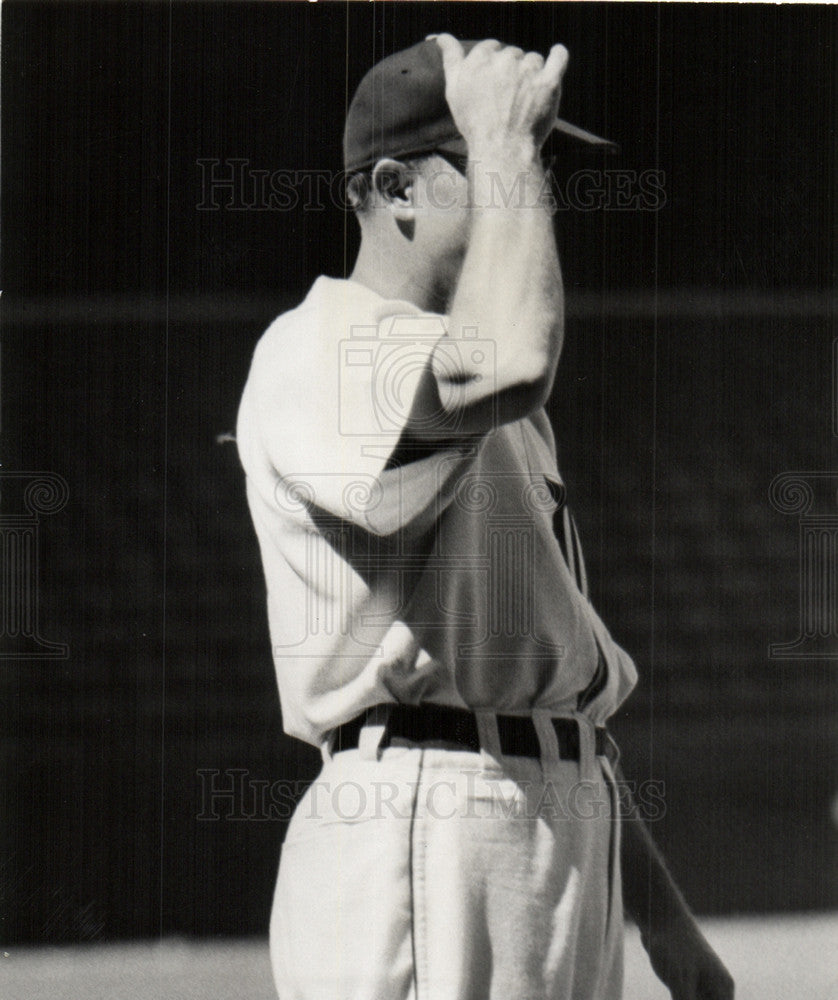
[[434, 874]]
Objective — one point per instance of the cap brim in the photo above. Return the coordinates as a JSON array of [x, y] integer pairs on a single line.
[[457, 146], [460, 147], [574, 132]]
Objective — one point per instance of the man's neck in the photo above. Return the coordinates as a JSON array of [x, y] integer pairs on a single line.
[[394, 278]]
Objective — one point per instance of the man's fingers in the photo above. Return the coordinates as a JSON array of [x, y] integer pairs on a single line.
[[533, 61], [489, 44], [556, 64], [452, 51]]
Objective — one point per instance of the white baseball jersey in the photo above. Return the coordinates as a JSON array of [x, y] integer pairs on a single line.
[[429, 574]]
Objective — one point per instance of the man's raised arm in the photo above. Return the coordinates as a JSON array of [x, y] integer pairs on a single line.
[[510, 289]]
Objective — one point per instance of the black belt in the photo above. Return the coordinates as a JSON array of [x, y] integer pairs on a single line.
[[439, 724]]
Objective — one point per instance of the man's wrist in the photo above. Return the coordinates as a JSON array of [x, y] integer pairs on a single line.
[[512, 178], [521, 154], [673, 915]]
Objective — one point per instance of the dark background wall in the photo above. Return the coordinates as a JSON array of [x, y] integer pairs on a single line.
[[698, 367]]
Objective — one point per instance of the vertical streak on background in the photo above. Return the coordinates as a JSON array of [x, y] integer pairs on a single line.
[[346, 213], [603, 385], [165, 457], [832, 227], [654, 469]]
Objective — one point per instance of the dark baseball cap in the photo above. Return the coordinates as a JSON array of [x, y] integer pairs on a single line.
[[399, 109]]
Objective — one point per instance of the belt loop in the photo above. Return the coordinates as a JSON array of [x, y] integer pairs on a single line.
[[487, 731], [547, 739], [587, 746], [612, 751], [369, 739]]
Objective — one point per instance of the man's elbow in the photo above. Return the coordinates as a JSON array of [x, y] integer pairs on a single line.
[[533, 363], [533, 376], [478, 408], [529, 376], [531, 392], [504, 385]]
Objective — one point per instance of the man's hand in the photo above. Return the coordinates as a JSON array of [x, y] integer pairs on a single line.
[[503, 101], [686, 964]]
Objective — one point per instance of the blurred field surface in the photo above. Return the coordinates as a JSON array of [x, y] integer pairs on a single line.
[[783, 958]]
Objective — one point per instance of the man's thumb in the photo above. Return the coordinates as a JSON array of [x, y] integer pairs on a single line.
[[452, 51]]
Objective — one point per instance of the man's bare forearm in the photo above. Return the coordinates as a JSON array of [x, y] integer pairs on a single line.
[[510, 287], [650, 894], [678, 951], [504, 102]]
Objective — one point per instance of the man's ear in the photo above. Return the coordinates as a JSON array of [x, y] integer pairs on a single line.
[[392, 181]]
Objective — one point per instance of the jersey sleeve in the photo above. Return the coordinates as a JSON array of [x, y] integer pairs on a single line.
[[350, 432]]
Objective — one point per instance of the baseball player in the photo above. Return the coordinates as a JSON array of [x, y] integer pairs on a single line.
[[428, 607]]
